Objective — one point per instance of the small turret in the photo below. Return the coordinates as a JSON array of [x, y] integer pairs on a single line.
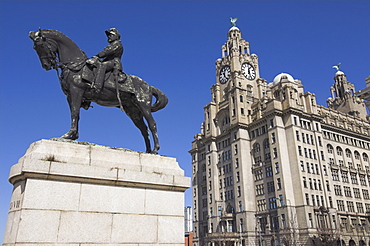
[[343, 96]]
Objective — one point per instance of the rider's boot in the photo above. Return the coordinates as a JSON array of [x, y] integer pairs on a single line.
[[99, 78]]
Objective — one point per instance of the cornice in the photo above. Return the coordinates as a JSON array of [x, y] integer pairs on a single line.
[[343, 131]]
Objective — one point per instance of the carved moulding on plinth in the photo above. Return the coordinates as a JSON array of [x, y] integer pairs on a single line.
[[72, 193]]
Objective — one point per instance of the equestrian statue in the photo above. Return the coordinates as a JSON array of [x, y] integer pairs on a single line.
[[99, 79]]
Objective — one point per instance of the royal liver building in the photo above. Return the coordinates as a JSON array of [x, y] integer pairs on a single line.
[[272, 167]]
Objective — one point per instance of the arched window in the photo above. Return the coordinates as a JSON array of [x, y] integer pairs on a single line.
[[330, 149], [357, 155], [339, 151], [365, 157], [348, 153]]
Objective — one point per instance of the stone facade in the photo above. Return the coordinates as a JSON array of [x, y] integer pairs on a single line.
[[74, 193], [272, 167]]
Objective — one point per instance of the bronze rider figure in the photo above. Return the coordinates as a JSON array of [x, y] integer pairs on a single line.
[[111, 58]]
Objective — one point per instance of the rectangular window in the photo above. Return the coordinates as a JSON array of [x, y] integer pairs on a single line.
[[300, 150], [350, 206], [258, 174], [365, 194], [272, 203], [268, 171], [344, 176], [275, 153], [304, 182], [335, 175], [362, 180], [278, 183], [340, 205], [360, 207], [277, 168], [261, 205], [273, 140], [354, 178], [260, 190], [347, 191], [337, 190], [270, 186], [356, 193], [307, 199]]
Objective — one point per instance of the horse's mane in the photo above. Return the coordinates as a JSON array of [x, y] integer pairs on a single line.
[[59, 35]]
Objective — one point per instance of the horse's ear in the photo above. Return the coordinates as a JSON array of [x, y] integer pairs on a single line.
[[39, 33]]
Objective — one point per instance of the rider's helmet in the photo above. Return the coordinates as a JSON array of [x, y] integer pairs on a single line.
[[112, 34]]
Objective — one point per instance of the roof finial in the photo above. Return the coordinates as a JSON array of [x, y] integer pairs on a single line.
[[337, 67], [233, 21]]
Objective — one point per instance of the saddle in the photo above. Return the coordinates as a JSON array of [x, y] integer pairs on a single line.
[[87, 73]]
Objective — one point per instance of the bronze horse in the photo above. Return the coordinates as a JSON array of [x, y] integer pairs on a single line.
[[128, 92]]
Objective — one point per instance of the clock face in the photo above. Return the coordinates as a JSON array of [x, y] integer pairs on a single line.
[[248, 71], [224, 74]]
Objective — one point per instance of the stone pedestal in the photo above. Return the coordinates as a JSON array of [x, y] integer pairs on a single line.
[[79, 194]]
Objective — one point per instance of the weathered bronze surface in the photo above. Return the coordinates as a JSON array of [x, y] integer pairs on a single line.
[[86, 80]]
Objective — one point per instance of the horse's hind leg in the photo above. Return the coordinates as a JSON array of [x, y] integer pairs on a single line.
[[136, 116], [153, 128], [139, 123]]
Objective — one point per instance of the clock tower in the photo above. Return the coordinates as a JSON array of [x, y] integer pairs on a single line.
[[238, 82]]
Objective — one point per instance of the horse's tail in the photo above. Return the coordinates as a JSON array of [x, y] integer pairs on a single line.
[[161, 99]]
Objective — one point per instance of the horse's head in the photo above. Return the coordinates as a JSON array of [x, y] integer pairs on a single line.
[[46, 49]]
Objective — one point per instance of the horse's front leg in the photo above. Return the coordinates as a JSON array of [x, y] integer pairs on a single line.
[[74, 101]]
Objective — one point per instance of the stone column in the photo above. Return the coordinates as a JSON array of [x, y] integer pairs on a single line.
[[74, 193]]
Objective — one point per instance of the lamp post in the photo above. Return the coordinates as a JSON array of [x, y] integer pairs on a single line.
[[292, 217]]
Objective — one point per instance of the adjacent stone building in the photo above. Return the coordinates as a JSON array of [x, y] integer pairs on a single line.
[[272, 167]]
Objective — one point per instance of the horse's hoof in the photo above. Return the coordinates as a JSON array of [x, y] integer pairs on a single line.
[[70, 136]]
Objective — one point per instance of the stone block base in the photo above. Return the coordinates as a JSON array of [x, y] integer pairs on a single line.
[[74, 193]]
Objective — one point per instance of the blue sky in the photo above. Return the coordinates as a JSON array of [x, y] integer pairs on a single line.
[[173, 45]]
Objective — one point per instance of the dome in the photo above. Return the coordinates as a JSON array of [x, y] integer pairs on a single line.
[[234, 28], [339, 73], [282, 76]]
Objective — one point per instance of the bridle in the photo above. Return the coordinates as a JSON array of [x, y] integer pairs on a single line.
[[48, 46]]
